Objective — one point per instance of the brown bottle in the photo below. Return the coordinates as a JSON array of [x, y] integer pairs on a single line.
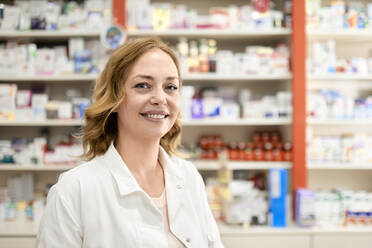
[[258, 154], [268, 154], [287, 154], [234, 154], [249, 151], [278, 152], [241, 148]]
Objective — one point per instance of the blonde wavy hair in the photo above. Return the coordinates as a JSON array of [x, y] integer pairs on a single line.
[[101, 128]]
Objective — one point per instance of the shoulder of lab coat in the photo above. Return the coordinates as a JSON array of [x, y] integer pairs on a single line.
[[61, 225]]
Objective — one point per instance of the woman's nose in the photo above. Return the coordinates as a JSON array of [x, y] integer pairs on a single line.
[[158, 97]]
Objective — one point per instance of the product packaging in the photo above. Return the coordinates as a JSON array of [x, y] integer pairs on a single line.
[[305, 207], [278, 187], [39, 102], [8, 94]]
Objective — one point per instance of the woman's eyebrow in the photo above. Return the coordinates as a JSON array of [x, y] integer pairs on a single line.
[[171, 78], [148, 77]]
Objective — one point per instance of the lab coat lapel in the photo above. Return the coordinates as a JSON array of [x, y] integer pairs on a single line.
[[124, 179], [174, 183]]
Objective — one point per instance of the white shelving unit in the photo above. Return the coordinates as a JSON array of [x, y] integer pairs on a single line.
[[345, 34], [188, 123], [339, 166], [199, 164], [234, 77], [238, 122], [32, 123], [17, 229], [242, 165], [48, 78], [212, 33], [15, 167], [235, 236], [340, 76], [349, 43], [44, 34], [186, 77], [330, 122]]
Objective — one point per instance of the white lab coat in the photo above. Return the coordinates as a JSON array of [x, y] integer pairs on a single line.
[[100, 204]]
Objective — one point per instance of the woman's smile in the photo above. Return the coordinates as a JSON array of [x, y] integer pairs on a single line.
[[156, 116]]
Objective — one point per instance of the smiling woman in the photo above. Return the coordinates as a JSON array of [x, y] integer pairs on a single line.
[[134, 189], [101, 124]]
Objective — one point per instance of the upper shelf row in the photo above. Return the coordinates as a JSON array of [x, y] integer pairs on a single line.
[[188, 77], [212, 33]]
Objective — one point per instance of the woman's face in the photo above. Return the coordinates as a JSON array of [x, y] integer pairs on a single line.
[[151, 103]]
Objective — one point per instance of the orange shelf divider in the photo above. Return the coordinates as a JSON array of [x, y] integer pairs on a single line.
[[118, 12], [299, 172]]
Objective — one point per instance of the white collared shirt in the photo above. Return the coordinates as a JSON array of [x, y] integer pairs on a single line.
[[100, 204]]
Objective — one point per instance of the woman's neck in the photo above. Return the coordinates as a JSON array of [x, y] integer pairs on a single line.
[[140, 156]]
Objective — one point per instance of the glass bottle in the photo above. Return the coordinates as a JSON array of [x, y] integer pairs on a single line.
[[212, 50], [203, 56], [193, 61]]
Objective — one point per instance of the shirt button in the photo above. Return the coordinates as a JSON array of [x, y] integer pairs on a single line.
[[188, 240], [179, 186]]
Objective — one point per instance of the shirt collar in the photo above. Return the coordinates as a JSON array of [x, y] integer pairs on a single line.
[[126, 182]]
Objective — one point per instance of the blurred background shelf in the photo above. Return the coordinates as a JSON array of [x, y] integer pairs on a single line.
[[212, 33], [338, 166], [188, 123], [15, 167], [233, 77], [339, 76], [242, 165], [200, 165], [44, 34], [330, 122], [32, 123], [345, 34], [187, 77], [14, 229], [238, 122], [49, 78]]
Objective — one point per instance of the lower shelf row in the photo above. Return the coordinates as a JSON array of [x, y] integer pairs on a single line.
[[31, 229], [206, 165]]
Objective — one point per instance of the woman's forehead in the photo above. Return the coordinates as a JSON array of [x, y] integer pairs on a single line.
[[154, 62]]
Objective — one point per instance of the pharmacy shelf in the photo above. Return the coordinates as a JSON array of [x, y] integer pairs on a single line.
[[340, 76], [234, 77], [15, 167], [49, 78], [77, 122], [212, 33], [330, 122], [241, 165], [199, 164], [227, 230], [338, 166], [238, 122], [346, 34], [186, 77], [190, 123], [44, 34], [30, 229]]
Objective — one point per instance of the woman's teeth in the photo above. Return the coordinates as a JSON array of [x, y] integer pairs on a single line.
[[155, 116]]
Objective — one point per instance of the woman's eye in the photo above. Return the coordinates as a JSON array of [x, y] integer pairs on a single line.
[[142, 85], [172, 87]]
